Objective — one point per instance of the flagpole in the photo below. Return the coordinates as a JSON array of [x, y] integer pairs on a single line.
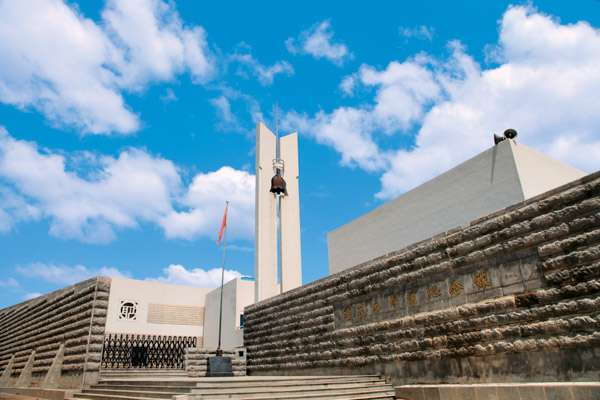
[[219, 352]]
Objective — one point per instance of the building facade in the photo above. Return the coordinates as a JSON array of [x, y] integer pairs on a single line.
[[114, 323]]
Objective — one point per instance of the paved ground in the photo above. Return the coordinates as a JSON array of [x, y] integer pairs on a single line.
[[4, 396]]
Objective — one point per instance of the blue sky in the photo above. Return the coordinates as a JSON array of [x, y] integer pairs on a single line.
[[125, 125]]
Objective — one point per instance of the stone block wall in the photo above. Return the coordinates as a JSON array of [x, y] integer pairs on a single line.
[[511, 297], [196, 361], [75, 316]]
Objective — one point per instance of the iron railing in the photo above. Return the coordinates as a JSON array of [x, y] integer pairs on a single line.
[[141, 351]]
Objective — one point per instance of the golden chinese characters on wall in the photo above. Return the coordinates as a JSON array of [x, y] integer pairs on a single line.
[[392, 302]]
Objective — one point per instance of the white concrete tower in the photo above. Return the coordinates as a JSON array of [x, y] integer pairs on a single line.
[[265, 258]]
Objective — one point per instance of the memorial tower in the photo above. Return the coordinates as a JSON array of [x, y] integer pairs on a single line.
[[277, 206]]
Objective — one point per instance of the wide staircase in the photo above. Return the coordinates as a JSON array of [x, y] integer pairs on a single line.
[[175, 384]]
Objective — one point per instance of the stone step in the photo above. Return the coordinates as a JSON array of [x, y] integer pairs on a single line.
[[298, 392], [150, 388], [501, 391], [141, 374], [201, 365], [255, 388], [238, 381], [136, 393], [204, 374], [383, 395], [136, 375], [290, 381], [241, 388], [273, 392], [90, 396], [154, 371], [324, 395], [189, 382]]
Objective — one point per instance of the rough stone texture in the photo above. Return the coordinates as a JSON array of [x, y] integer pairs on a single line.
[[42, 324], [25, 375], [511, 297], [52, 378], [5, 378], [196, 361]]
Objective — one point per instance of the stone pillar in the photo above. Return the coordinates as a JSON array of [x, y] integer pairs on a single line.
[[7, 372], [265, 255], [52, 379], [289, 230], [25, 377]]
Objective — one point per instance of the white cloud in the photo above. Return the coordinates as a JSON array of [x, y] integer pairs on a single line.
[[546, 87], [348, 130], [30, 296], [154, 43], [73, 70], [318, 42], [403, 92], [240, 248], [348, 84], [14, 208], [420, 32], [206, 197], [67, 275], [178, 275], [264, 74], [121, 192], [227, 120], [169, 96], [10, 282], [54, 60], [91, 202]]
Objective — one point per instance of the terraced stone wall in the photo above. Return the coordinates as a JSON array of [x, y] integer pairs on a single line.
[[512, 297], [75, 316]]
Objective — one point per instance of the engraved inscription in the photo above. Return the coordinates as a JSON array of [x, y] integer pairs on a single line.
[[348, 313], [481, 280], [432, 292], [361, 310], [412, 297], [455, 288], [376, 307]]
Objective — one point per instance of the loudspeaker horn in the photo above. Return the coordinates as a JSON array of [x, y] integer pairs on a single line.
[[498, 138]]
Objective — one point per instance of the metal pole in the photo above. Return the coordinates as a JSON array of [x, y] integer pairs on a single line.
[[219, 352], [277, 131]]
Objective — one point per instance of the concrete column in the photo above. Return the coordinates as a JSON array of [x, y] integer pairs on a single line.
[[7, 372], [52, 378], [25, 377], [265, 256], [289, 231]]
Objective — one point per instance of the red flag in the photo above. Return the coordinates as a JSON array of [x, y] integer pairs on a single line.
[[223, 224]]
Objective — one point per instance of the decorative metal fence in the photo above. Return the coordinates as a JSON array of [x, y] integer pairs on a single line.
[[140, 351]]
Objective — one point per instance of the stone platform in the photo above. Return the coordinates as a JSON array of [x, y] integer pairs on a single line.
[[34, 393], [178, 385], [524, 391]]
